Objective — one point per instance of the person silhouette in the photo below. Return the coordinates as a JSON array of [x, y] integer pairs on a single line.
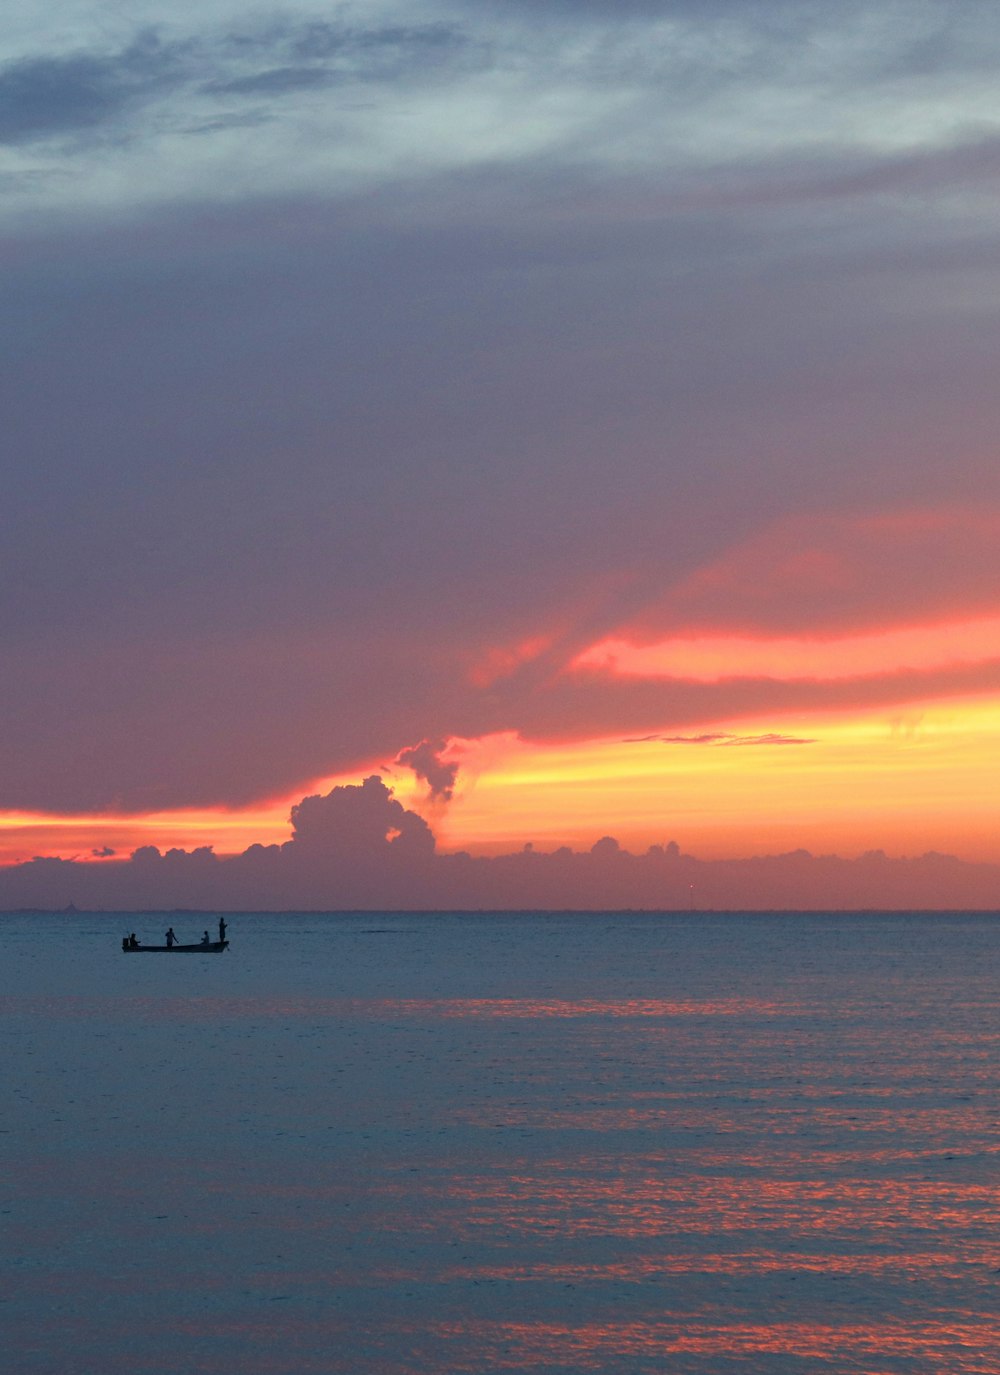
[[222, 929], [204, 938], [170, 938]]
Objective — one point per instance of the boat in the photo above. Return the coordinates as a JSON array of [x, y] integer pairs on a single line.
[[202, 948]]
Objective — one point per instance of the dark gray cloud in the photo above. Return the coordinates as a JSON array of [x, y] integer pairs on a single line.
[[388, 49], [249, 119], [51, 95], [55, 94], [274, 81], [322, 53]]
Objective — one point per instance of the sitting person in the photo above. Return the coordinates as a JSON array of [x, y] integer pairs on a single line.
[[204, 939]]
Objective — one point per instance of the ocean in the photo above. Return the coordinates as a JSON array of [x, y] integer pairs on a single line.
[[375, 1143]]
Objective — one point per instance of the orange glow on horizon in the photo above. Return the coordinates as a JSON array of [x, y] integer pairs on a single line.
[[26, 834], [229, 831], [907, 782], [837, 782]]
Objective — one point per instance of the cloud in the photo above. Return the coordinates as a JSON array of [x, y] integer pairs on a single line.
[[369, 401], [722, 738], [592, 706], [323, 53], [358, 821], [274, 81], [358, 849], [769, 739], [712, 739], [44, 96], [707, 105], [839, 572], [426, 762], [385, 50]]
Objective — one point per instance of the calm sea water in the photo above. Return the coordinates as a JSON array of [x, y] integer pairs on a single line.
[[376, 1144]]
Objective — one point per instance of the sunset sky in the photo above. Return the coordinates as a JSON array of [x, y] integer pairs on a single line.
[[583, 414]]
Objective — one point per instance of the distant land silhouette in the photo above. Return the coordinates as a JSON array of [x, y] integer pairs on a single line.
[[358, 848]]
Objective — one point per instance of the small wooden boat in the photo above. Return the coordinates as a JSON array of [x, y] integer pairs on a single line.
[[202, 948]]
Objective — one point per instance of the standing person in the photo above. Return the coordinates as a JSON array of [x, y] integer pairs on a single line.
[[222, 930], [170, 938]]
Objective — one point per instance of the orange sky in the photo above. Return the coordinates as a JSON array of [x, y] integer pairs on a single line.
[[519, 407], [709, 658], [909, 781], [905, 779]]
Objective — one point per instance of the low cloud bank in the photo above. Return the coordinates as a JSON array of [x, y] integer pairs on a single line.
[[358, 848]]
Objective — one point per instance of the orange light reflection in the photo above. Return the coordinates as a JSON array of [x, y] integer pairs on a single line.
[[966, 1348]]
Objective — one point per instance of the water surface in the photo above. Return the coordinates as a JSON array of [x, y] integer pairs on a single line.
[[373, 1144]]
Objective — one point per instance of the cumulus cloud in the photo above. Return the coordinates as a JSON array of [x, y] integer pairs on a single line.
[[358, 849], [358, 821]]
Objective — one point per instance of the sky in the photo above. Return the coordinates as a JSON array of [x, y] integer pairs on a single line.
[[581, 415]]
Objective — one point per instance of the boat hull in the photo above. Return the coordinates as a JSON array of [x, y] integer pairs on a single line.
[[212, 948]]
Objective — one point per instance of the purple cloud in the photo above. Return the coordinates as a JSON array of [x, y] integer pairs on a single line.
[[769, 739], [426, 762], [694, 739], [723, 739], [288, 457], [357, 821], [357, 848]]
